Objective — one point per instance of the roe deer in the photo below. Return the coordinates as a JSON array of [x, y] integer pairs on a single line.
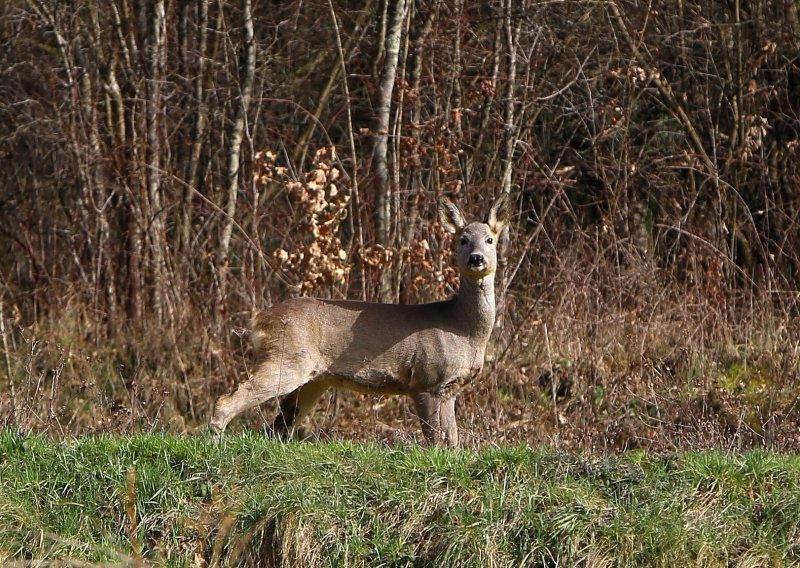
[[424, 351]]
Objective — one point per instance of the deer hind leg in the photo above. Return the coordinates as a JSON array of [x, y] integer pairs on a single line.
[[447, 421], [296, 406], [438, 418], [270, 380]]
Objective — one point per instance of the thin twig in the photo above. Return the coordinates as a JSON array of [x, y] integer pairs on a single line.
[[355, 211]]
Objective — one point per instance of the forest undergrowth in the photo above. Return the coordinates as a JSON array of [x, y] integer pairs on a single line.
[[168, 168], [571, 370]]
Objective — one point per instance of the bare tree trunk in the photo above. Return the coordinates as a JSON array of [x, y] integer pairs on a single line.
[[97, 189], [155, 55], [509, 133], [382, 189], [383, 212], [124, 100], [416, 120], [383, 9], [399, 216], [455, 78], [247, 70], [200, 122], [102, 196], [509, 142]]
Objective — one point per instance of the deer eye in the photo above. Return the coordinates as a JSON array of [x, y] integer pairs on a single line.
[[464, 240], [489, 240]]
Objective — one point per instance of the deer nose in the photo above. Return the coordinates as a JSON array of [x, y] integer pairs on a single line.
[[476, 259]]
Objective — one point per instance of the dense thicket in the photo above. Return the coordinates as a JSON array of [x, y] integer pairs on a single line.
[[167, 166]]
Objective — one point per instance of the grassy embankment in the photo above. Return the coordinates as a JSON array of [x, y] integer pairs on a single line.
[[156, 500]]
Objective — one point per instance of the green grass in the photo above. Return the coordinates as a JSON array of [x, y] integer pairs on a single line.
[[159, 500]]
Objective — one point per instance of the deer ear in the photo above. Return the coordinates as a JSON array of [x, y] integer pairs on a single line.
[[450, 216], [499, 215]]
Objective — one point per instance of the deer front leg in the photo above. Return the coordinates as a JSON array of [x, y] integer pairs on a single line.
[[437, 418]]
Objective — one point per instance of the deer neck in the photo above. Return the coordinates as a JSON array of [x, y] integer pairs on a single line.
[[476, 304]]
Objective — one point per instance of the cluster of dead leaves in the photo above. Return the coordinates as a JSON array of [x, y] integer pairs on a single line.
[[317, 259]]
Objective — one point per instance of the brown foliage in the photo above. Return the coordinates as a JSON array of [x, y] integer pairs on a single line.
[[652, 152], [319, 261]]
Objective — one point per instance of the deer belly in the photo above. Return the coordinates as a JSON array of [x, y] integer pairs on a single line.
[[373, 381]]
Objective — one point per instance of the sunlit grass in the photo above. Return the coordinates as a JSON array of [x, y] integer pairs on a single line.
[[161, 500]]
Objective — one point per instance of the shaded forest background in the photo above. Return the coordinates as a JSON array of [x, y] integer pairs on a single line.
[[168, 167]]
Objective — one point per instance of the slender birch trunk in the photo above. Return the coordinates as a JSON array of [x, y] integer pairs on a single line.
[[511, 34], [201, 120], [382, 201], [247, 70], [416, 120], [383, 214], [156, 56]]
